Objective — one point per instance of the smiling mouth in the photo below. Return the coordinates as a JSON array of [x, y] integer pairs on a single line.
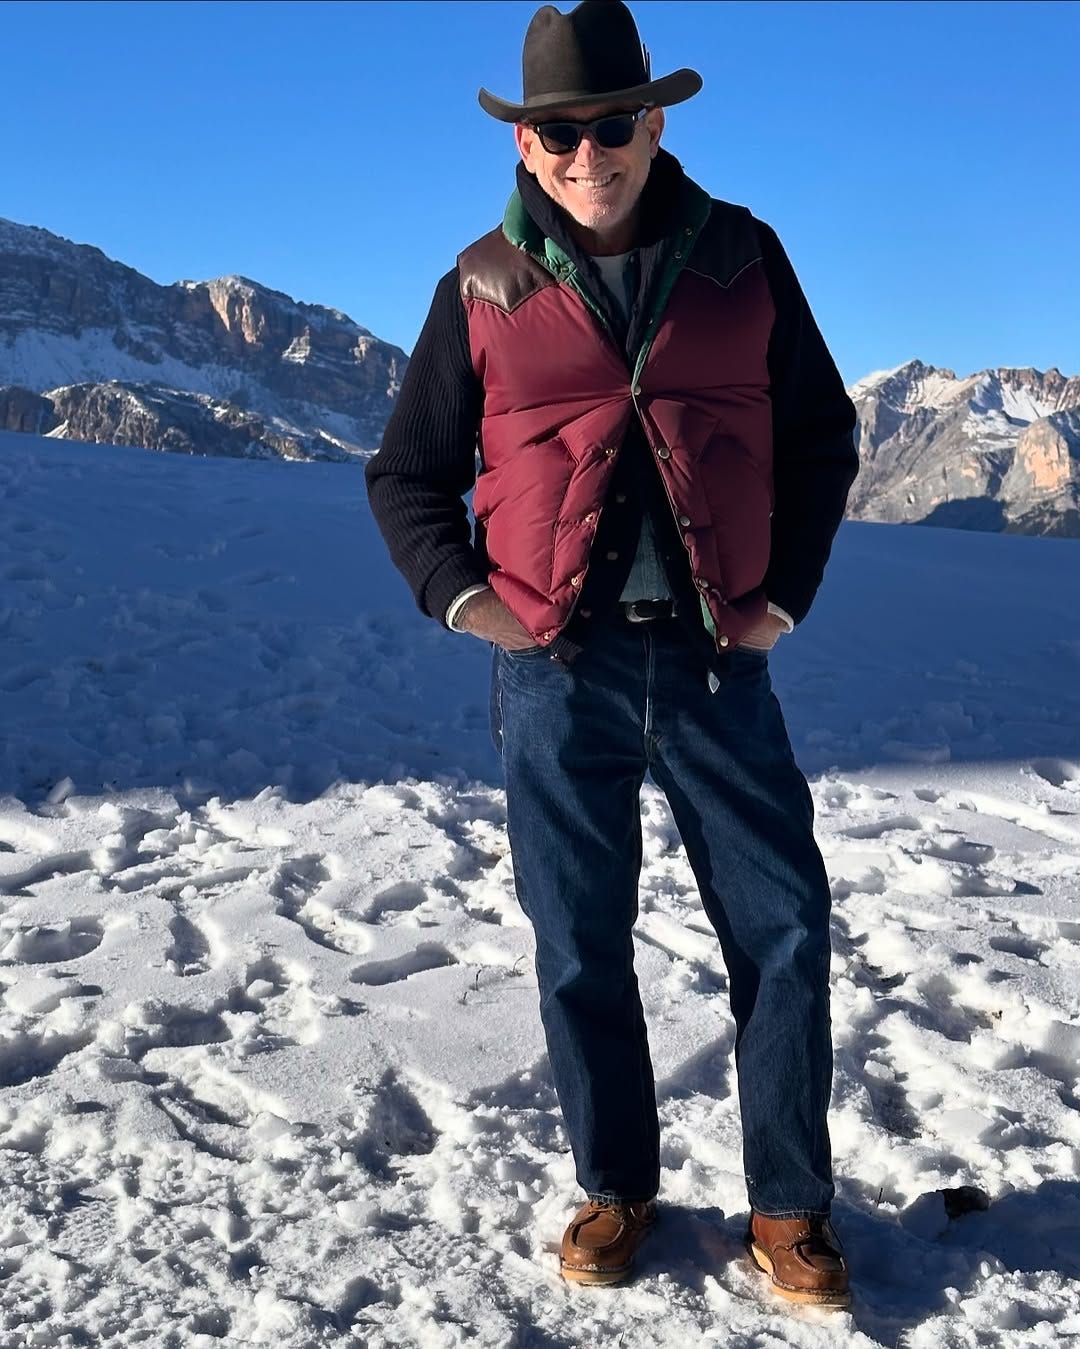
[[599, 182]]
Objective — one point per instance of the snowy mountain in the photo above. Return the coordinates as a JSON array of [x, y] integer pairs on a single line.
[[271, 1068], [999, 450], [92, 350]]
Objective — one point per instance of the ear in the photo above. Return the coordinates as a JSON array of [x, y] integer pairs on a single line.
[[654, 125], [526, 140]]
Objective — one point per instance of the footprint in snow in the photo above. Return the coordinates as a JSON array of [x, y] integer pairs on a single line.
[[16, 835], [1016, 944], [838, 795], [27, 1055], [950, 846], [264, 980], [296, 887], [59, 864], [388, 1123], [189, 950], [970, 885], [870, 882], [426, 956], [204, 1124], [402, 897], [943, 1012], [165, 1026], [1061, 773], [41, 944], [882, 827], [889, 1100]]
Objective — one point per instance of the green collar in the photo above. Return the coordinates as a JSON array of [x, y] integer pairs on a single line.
[[524, 233]]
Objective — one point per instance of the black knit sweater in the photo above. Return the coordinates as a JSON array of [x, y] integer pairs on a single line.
[[428, 460]]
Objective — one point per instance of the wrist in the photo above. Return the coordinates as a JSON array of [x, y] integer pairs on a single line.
[[783, 615], [464, 615], [457, 609]]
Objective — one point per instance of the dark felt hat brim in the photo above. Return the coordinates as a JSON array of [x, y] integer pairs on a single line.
[[664, 93]]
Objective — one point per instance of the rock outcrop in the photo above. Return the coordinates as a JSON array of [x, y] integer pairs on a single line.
[[997, 450], [239, 367]]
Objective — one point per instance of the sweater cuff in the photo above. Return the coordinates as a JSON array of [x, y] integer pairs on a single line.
[[788, 595], [447, 582]]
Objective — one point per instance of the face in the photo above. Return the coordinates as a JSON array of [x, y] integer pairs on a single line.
[[598, 188]]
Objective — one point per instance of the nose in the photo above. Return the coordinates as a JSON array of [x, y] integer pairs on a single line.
[[589, 152]]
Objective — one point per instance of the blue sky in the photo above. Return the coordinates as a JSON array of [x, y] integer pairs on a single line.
[[917, 159]]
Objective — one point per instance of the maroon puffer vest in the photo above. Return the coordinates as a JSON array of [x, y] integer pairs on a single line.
[[559, 396]]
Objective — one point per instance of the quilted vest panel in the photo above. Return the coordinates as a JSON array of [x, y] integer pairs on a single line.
[[558, 399]]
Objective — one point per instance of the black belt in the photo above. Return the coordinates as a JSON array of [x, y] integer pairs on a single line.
[[644, 611]]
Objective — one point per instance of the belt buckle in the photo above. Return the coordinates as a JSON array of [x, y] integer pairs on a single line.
[[632, 615]]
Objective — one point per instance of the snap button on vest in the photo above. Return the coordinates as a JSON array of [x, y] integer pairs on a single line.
[[684, 520], [662, 452], [722, 640]]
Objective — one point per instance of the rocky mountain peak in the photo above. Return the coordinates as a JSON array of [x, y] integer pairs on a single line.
[[998, 449], [71, 317]]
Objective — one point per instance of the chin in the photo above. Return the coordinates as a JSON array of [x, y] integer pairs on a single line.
[[606, 219]]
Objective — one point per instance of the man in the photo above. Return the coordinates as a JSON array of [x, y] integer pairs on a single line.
[[666, 450]]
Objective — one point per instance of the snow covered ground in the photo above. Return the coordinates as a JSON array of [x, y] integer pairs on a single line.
[[270, 1063]]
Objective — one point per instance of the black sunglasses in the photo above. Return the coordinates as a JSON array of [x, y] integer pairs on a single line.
[[611, 132]]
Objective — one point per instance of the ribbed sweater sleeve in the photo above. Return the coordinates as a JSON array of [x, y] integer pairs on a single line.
[[815, 460], [427, 462]]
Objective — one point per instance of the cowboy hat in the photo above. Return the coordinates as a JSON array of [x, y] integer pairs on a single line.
[[593, 55]]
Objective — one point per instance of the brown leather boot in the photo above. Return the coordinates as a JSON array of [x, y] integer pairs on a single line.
[[601, 1242], [802, 1256]]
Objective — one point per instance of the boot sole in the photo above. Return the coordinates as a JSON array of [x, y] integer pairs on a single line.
[[830, 1298], [596, 1278]]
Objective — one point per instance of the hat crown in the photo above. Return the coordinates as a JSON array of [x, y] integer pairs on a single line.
[[595, 49], [587, 58]]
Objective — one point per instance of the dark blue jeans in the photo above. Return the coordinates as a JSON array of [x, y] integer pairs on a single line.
[[576, 742]]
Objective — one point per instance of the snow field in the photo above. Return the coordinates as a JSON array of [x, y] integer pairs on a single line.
[[271, 1069]]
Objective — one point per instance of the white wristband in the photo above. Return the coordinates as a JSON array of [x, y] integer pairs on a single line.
[[782, 614], [459, 603]]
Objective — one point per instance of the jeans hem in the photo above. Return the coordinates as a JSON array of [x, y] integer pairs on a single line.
[[609, 1197], [791, 1212]]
